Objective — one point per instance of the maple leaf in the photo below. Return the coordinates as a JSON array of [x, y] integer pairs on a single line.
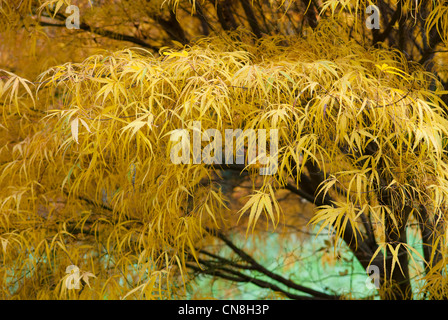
[[85, 277]]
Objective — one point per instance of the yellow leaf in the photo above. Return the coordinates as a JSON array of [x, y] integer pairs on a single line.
[[85, 125], [4, 244], [182, 54], [85, 276]]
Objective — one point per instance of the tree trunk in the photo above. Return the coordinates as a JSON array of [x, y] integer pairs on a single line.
[[397, 285]]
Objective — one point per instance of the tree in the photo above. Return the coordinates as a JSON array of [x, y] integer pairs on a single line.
[[87, 176]]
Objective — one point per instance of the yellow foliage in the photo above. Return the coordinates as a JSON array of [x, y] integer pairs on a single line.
[[95, 134]]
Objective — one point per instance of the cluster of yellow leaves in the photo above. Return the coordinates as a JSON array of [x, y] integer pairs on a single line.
[[437, 18], [100, 138]]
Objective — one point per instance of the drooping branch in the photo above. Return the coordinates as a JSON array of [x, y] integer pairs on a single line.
[[236, 276], [99, 31], [255, 266], [227, 269]]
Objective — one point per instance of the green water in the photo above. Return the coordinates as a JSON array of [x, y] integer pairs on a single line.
[[345, 276]]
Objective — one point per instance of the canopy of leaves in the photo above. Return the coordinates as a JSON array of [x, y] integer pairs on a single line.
[[86, 177]]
